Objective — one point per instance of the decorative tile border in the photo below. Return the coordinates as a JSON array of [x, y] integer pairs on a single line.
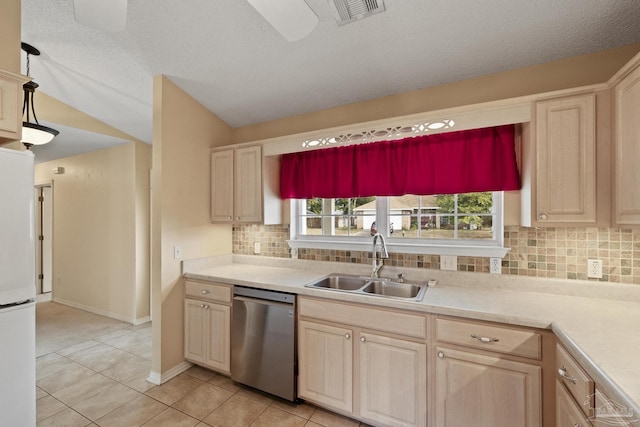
[[549, 252]]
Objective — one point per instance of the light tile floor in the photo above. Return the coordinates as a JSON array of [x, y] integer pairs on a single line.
[[102, 381]]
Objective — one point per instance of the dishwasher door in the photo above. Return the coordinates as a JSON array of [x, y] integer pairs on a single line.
[[263, 345]]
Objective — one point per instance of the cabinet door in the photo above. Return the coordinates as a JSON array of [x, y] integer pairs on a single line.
[[627, 150], [10, 104], [393, 381], [567, 412], [222, 186], [486, 391], [218, 355], [195, 345], [325, 360], [566, 161], [248, 184]]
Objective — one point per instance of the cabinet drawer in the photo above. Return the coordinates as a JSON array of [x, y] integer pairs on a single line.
[[491, 338], [579, 384], [209, 291], [411, 325]]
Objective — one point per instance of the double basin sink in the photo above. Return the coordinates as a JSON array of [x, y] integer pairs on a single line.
[[374, 286]]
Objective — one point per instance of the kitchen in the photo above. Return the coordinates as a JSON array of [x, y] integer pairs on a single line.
[[183, 221]]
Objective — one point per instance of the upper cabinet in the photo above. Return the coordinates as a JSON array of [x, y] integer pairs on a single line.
[[10, 102], [565, 161], [236, 185], [626, 153]]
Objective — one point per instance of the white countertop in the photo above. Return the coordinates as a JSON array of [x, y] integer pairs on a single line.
[[601, 333]]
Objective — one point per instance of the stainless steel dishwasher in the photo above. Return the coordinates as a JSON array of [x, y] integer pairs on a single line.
[[263, 341]]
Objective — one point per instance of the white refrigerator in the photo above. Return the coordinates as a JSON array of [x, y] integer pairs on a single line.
[[17, 290]]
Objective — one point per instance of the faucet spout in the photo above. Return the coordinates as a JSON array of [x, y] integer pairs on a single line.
[[384, 254]]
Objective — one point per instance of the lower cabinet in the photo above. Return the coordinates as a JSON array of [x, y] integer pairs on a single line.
[[207, 340], [325, 360], [207, 325], [393, 389], [376, 376], [485, 391], [567, 411]]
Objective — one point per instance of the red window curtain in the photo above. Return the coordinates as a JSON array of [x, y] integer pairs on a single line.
[[447, 163]]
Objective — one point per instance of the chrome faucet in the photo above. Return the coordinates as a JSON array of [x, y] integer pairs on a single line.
[[383, 255]]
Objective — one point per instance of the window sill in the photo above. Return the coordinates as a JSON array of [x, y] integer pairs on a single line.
[[404, 248]]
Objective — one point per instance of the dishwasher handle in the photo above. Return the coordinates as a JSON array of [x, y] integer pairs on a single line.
[[263, 294], [264, 302]]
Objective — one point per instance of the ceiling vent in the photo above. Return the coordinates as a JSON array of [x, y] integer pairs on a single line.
[[347, 11]]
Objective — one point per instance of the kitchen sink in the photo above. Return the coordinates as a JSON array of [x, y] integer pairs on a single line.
[[345, 283], [375, 287], [394, 289]]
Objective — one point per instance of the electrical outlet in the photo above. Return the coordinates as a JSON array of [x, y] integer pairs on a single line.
[[448, 262], [177, 252], [495, 265], [256, 247], [294, 253], [594, 268]]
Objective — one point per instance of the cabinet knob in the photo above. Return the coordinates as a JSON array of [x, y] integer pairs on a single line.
[[347, 336], [238, 218], [206, 307], [543, 216], [363, 339], [229, 218], [204, 291], [441, 355], [484, 340], [576, 425], [201, 305]]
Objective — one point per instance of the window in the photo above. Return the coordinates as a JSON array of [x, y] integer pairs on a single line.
[[459, 224]]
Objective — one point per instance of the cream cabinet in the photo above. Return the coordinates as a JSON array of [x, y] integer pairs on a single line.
[[325, 360], [365, 366], [567, 411], [10, 104], [565, 161], [236, 185], [488, 375], [392, 379], [486, 391], [207, 323], [626, 94]]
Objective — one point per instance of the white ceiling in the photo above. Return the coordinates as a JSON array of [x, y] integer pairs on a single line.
[[225, 55]]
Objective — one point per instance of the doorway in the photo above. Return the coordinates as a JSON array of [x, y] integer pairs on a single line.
[[44, 234]]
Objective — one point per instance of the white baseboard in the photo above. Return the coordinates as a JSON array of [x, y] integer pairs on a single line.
[[141, 320], [157, 379], [94, 310], [46, 297]]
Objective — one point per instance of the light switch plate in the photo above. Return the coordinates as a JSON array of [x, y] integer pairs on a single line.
[[177, 252], [256, 247], [448, 262]]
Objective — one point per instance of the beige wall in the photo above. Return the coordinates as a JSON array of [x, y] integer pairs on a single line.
[[96, 256], [10, 20], [183, 133], [571, 72], [143, 228]]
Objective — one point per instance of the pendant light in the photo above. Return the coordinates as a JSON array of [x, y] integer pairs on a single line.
[[33, 133]]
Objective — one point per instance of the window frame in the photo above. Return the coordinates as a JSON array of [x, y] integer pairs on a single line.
[[459, 247]]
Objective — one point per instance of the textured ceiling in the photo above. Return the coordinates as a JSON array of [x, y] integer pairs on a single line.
[[225, 55]]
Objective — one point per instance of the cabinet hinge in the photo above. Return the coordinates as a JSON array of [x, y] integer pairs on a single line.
[[40, 276], [41, 237]]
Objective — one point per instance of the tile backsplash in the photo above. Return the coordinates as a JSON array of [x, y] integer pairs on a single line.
[[546, 252]]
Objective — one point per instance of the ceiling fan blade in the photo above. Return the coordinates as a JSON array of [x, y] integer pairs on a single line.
[[293, 19], [106, 15]]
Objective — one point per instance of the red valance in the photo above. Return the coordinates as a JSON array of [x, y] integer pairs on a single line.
[[447, 163]]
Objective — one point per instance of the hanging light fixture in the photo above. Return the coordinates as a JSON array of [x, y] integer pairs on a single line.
[[33, 133]]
